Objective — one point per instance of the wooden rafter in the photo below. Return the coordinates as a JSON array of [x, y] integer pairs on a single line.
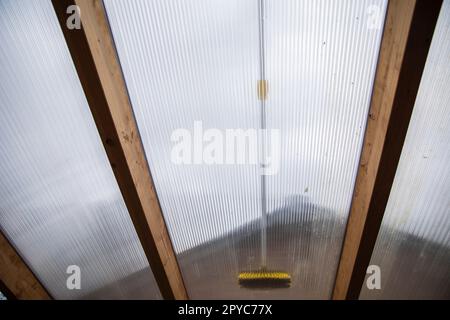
[[406, 40], [93, 53], [17, 280]]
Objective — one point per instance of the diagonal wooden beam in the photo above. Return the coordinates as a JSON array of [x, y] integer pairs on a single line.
[[406, 40], [16, 278], [94, 55]]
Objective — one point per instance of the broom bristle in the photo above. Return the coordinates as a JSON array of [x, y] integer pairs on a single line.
[[264, 279]]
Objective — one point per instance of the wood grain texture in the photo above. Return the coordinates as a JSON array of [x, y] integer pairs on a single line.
[[406, 40], [95, 58], [17, 277]]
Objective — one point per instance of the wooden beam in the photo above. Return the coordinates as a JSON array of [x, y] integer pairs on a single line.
[[95, 58], [6, 292], [16, 279], [406, 40]]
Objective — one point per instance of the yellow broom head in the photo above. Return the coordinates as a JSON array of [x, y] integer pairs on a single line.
[[264, 279]]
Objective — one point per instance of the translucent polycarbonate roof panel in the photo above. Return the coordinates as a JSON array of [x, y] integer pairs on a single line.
[[413, 245], [192, 71], [321, 59], [60, 204]]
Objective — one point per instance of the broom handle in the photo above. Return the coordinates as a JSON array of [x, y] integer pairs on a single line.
[[263, 138]]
